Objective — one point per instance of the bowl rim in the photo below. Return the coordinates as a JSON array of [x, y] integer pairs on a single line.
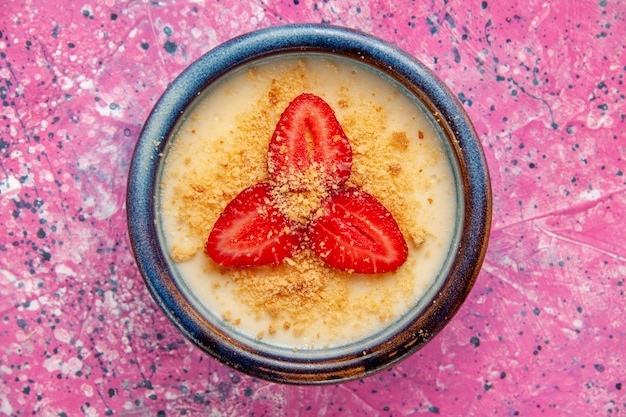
[[344, 42]]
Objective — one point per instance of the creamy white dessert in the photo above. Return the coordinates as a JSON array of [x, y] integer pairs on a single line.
[[220, 148]]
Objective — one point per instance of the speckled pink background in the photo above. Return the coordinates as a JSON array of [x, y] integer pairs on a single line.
[[542, 333]]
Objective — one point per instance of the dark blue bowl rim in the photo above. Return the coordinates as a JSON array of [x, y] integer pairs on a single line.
[[346, 43]]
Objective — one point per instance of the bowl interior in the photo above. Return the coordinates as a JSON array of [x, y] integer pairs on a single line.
[[352, 359]]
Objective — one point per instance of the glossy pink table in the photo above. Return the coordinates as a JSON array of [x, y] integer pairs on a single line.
[[543, 332]]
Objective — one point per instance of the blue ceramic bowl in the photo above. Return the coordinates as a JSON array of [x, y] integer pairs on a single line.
[[408, 333]]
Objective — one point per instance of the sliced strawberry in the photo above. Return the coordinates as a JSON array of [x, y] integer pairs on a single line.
[[309, 148], [353, 231], [251, 231]]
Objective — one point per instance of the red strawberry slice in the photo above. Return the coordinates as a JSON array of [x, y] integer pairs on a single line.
[[355, 232], [309, 148], [251, 231]]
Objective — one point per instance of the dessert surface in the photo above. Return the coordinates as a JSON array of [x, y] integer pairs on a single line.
[[227, 143]]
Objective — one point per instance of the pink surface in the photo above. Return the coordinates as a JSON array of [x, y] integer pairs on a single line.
[[543, 331]]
